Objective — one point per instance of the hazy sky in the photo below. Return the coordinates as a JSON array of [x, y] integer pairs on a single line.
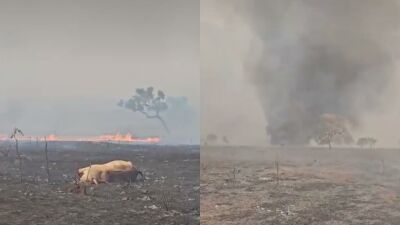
[[98, 48], [80, 52]]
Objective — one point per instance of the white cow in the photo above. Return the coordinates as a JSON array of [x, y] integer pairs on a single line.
[[104, 173]]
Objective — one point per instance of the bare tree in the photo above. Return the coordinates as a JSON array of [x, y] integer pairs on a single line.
[[14, 135], [235, 172], [145, 102], [166, 200], [47, 160], [277, 170]]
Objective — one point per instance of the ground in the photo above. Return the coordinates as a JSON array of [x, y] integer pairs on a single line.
[[169, 194], [312, 186]]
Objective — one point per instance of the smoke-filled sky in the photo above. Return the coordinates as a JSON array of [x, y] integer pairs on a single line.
[[98, 51], [284, 63], [229, 104]]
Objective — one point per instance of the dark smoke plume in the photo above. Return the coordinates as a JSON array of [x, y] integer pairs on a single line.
[[317, 57]]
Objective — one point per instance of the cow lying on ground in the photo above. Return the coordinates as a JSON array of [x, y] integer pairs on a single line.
[[113, 171]]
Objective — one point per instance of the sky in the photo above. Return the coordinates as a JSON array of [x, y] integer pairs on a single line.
[[89, 54]]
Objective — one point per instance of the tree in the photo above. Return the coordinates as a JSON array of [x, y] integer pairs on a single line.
[[47, 160], [366, 141], [14, 135], [145, 102], [211, 138], [327, 137], [225, 139], [332, 129]]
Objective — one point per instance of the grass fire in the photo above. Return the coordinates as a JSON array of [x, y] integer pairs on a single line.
[[120, 138]]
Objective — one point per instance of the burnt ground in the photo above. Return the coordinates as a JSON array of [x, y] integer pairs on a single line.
[[169, 194], [316, 186]]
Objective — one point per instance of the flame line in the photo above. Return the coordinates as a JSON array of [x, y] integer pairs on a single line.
[[102, 138]]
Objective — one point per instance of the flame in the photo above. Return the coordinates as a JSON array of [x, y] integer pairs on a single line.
[[50, 137], [3, 137], [127, 138]]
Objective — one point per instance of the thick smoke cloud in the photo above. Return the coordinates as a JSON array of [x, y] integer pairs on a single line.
[[316, 57]]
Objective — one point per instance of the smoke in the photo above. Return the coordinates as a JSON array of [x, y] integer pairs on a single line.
[[229, 105], [93, 117], [315, 57], [12, 113]]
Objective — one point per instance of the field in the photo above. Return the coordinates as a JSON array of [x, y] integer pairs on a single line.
[[300, 186], [168, 195]]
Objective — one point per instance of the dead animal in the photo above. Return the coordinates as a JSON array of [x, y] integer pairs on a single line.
[[117, 170]]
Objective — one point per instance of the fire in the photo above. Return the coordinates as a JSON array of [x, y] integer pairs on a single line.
[[3, 137], [127, 138], [50, 137]]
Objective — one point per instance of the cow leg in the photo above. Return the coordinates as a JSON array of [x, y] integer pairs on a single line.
[[95, 181], [104, 177]]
